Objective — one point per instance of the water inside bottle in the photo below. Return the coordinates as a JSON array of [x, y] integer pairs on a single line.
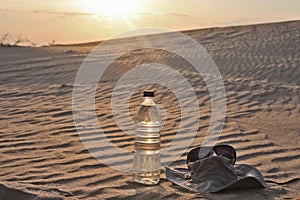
[[147, 146]]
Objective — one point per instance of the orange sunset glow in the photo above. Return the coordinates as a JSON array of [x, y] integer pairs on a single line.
[[67, 21]]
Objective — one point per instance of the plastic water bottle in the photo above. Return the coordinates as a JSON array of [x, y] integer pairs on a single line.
[[146, 166]]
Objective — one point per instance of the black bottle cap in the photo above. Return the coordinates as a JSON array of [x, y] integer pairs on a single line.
[[148, 93]]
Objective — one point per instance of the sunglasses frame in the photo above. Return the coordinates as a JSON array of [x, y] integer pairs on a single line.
[[207, 151]]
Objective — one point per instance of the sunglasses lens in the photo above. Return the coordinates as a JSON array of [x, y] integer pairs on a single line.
[[198, 153], [226, 151]]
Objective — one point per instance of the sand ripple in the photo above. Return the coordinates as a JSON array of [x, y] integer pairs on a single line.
[[41, 154]]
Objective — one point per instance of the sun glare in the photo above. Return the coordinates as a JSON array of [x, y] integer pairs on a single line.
[[111, 8]]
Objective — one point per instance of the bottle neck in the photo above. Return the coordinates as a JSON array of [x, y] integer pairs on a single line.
[[148, 101]]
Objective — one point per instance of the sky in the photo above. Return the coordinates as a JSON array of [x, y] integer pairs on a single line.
[[75, 21]]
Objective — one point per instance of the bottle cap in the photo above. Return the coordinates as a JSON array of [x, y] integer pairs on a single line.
[[148, 93]]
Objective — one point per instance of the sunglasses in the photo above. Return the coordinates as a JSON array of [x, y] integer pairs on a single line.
[[223, 150]]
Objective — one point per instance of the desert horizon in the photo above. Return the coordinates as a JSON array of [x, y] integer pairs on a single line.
[[10, 40]]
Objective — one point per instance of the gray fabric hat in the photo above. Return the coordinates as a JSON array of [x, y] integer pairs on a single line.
[[215, 174]]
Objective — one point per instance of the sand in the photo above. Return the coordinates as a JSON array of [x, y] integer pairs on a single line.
[[42, 156]]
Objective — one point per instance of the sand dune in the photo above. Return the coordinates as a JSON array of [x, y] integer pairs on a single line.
[[42, 155]]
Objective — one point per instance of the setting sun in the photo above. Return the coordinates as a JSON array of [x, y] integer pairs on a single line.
[[111, 8]]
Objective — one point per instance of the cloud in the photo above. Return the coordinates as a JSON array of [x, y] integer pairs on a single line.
[[178, 14], [163, 14], [57, 13], [62, 14], [5, 10]]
